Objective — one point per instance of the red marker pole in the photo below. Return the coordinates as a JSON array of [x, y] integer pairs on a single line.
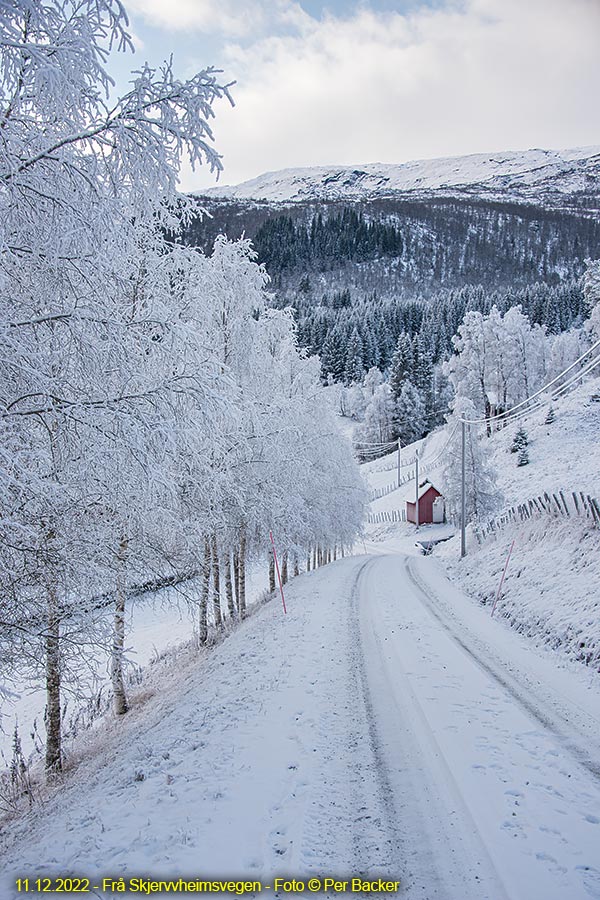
[[502, 579], [278, 572]]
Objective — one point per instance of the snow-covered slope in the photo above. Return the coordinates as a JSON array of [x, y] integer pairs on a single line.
[[552, 587], [521, 175]]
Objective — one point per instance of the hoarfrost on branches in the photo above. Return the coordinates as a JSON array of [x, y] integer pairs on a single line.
[[157, 418]]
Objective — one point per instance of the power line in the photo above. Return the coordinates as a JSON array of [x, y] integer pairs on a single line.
[[513, 409], [517, 413], [541, 402]]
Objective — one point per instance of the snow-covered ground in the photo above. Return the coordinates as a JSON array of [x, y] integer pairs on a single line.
[[565, 454], [386, 726], [383, 726], [552, 588]]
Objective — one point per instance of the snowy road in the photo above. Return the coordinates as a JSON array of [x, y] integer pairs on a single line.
[[493, 778], [384, 726]]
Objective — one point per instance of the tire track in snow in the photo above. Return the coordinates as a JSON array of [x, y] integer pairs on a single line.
[[551, 720], [434, 859], [385, 793]]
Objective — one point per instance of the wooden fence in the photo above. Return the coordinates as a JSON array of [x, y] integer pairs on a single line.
[[384, 491], [389, 515], [563, 504]]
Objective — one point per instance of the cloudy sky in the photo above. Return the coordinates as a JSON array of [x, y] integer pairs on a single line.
[[381, 81]]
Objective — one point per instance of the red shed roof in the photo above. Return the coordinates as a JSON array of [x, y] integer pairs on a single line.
[[427, 486]]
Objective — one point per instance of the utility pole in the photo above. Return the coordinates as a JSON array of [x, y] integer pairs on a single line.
[[417, 488], [399, 464], [463, 494]]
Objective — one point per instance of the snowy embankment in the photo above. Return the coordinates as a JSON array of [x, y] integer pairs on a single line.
[[156, 624], [552, 588]]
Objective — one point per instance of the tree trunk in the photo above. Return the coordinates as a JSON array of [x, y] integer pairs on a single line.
[[242, 561], [229, 587], [308, 561], [216, 583], [296, 568], [284, 568], [315, 557], [271, 572], [236, 576], [334, 552], [203, 626], [52, 642], [118, 641], [488, 412]]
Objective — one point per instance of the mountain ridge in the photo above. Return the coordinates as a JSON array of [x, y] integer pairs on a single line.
[[569, 177]]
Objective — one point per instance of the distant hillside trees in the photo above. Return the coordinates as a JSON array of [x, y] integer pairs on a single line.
[[591, 292], [401, 246], [326, 325], [324, 242]]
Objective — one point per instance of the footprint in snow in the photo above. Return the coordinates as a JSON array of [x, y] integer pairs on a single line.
[[554, 831], [554, 864], [591, 880]]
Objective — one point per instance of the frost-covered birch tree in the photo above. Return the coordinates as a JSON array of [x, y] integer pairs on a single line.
[[483, 498], [499, 361], [157, 417], [82, 178]]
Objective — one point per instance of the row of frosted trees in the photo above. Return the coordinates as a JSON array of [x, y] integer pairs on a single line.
[[157, 417]]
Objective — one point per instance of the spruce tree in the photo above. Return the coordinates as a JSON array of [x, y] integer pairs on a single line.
[[409, 414], [354, 369], [520, 440], [423, 373], [333, 356], [523, 458], [402, 365]]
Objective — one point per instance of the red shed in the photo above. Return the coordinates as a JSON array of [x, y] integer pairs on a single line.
[[431, 505]]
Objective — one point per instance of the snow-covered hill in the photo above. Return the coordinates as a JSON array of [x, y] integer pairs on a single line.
[[545, 176]]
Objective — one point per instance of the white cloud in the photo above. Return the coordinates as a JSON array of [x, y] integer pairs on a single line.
[[234, 18], [475, 76]]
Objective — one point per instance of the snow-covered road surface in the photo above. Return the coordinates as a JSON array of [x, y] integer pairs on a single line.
[[489, 783], [384, 726]]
